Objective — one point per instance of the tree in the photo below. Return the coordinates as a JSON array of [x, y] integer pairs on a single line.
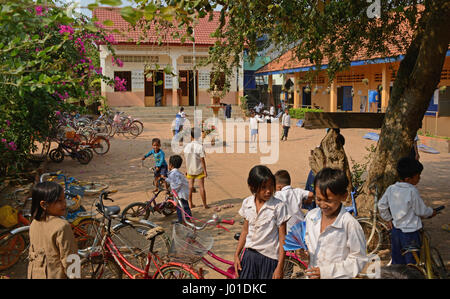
[[334, 31], [48, 63]]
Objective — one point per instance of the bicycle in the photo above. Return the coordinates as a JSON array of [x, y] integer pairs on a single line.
[[109, 260], [125, 126], [71, 149], [428, 259], [14, 241]]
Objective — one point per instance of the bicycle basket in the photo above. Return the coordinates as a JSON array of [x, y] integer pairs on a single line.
[[73, 203], [189, 246]]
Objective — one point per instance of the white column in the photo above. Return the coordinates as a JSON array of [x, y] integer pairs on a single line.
[[175, 100]]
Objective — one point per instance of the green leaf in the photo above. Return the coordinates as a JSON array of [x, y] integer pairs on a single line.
[[108, 23], [111, 2]]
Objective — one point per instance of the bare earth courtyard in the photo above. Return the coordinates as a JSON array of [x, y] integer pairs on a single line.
[[227, 177]]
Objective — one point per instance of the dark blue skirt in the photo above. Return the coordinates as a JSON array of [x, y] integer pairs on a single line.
[[256, 265]]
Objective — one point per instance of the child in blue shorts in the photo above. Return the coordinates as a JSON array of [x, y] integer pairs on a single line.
[[160, 161]]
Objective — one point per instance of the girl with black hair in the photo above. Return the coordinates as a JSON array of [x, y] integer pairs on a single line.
[[51, 237], [264, 229]]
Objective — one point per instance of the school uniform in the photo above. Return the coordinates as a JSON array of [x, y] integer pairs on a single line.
[[51, 243], [180, 184], [293, 197], [193, 153], [262, 243], [401, 203], [340, 250], [253, 126], [286, 123]]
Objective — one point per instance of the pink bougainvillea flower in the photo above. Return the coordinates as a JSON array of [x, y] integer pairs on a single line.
[[12, 146], [39, 10], [3, 140], [8, 123]]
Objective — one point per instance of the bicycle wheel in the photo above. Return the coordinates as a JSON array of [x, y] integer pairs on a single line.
[[56, 155], [137, 210], [132, 131], [139, 124], [175, 271], [85, 232], [131, 241], [374, 244], [100, 145], [437, 264], [13, 248], [99, 268], [84, 157], [293, 269], [92, 187]]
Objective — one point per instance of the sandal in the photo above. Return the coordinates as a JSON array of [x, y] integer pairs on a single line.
[[446, 227]]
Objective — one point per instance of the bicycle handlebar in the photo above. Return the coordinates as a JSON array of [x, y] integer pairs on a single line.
[[214, 220], [100, 206]]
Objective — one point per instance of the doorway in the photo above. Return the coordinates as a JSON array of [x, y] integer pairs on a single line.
[[345, 98], [154, 88], [187, 88]]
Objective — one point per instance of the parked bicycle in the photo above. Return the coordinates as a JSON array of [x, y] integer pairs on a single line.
[[70, 148], [108, 257], [428, 259]]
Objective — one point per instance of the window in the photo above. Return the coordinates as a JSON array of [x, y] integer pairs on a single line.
[[198, 59], [204, 80], [126, 76], [145, 59], [350, 78], [444, 102]]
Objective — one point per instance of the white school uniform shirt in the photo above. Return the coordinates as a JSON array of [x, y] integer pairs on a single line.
[[340, 250], [193, 152], [178, 182], [293, 197], [263, 226], [253, 123], [286, 120], [402, 204]]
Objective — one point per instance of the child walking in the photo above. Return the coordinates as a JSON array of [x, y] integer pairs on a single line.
[[264, 229], [286, 123], [51, 237], [194, 155], [403, 208], [335, 240], [293, 197], [180, 184], [253, 129], [160, 161]]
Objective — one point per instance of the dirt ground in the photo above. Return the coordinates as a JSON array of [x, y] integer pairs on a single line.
[[227, 175]]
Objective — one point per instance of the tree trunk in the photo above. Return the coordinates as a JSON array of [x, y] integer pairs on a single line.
[[417, 78], [331, 153]]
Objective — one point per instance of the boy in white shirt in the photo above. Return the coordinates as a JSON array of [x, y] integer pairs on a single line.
[[293, 197], [402, 206], [335, 240], [286, 123], [194, 155], [180, 184], [253, 128]]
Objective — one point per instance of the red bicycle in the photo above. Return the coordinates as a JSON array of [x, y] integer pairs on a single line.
[[113, 257]]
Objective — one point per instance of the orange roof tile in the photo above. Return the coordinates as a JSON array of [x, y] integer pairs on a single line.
[[202, 30]]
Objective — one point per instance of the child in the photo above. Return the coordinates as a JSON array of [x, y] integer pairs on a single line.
[[286, 123], [160, 161], [294, 198], [335, 240], [264, 229], [51, 237], [253, 128], [179, 183], [194, 155], [402, 206]]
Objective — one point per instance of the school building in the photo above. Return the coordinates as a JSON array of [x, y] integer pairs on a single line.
[[350, 90], [145, 56]]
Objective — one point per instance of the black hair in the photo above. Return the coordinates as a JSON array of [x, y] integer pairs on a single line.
[[175, 161], [181, 109], [257, 176], [195, 132], [157, 140], [333, 179], [49, 192], [408, 167], [282, 177], [397, 271]]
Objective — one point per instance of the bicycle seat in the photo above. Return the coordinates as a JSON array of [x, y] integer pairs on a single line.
[[410, 248], [154, 232], [112, 210]]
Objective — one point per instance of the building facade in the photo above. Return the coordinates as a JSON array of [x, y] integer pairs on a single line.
[[144, 62]]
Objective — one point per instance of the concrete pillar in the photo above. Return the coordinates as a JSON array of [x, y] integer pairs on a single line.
[[385, 80], [333, 97], [175, 85], [296, 93], [270, 85]]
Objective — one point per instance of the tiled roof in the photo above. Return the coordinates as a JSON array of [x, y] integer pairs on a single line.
[[202, 30]]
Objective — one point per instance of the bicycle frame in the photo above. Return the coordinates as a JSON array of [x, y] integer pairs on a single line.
[[423, 260]]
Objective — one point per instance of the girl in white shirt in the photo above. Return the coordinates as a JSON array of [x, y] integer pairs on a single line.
[[263, 231], [335, 239]]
